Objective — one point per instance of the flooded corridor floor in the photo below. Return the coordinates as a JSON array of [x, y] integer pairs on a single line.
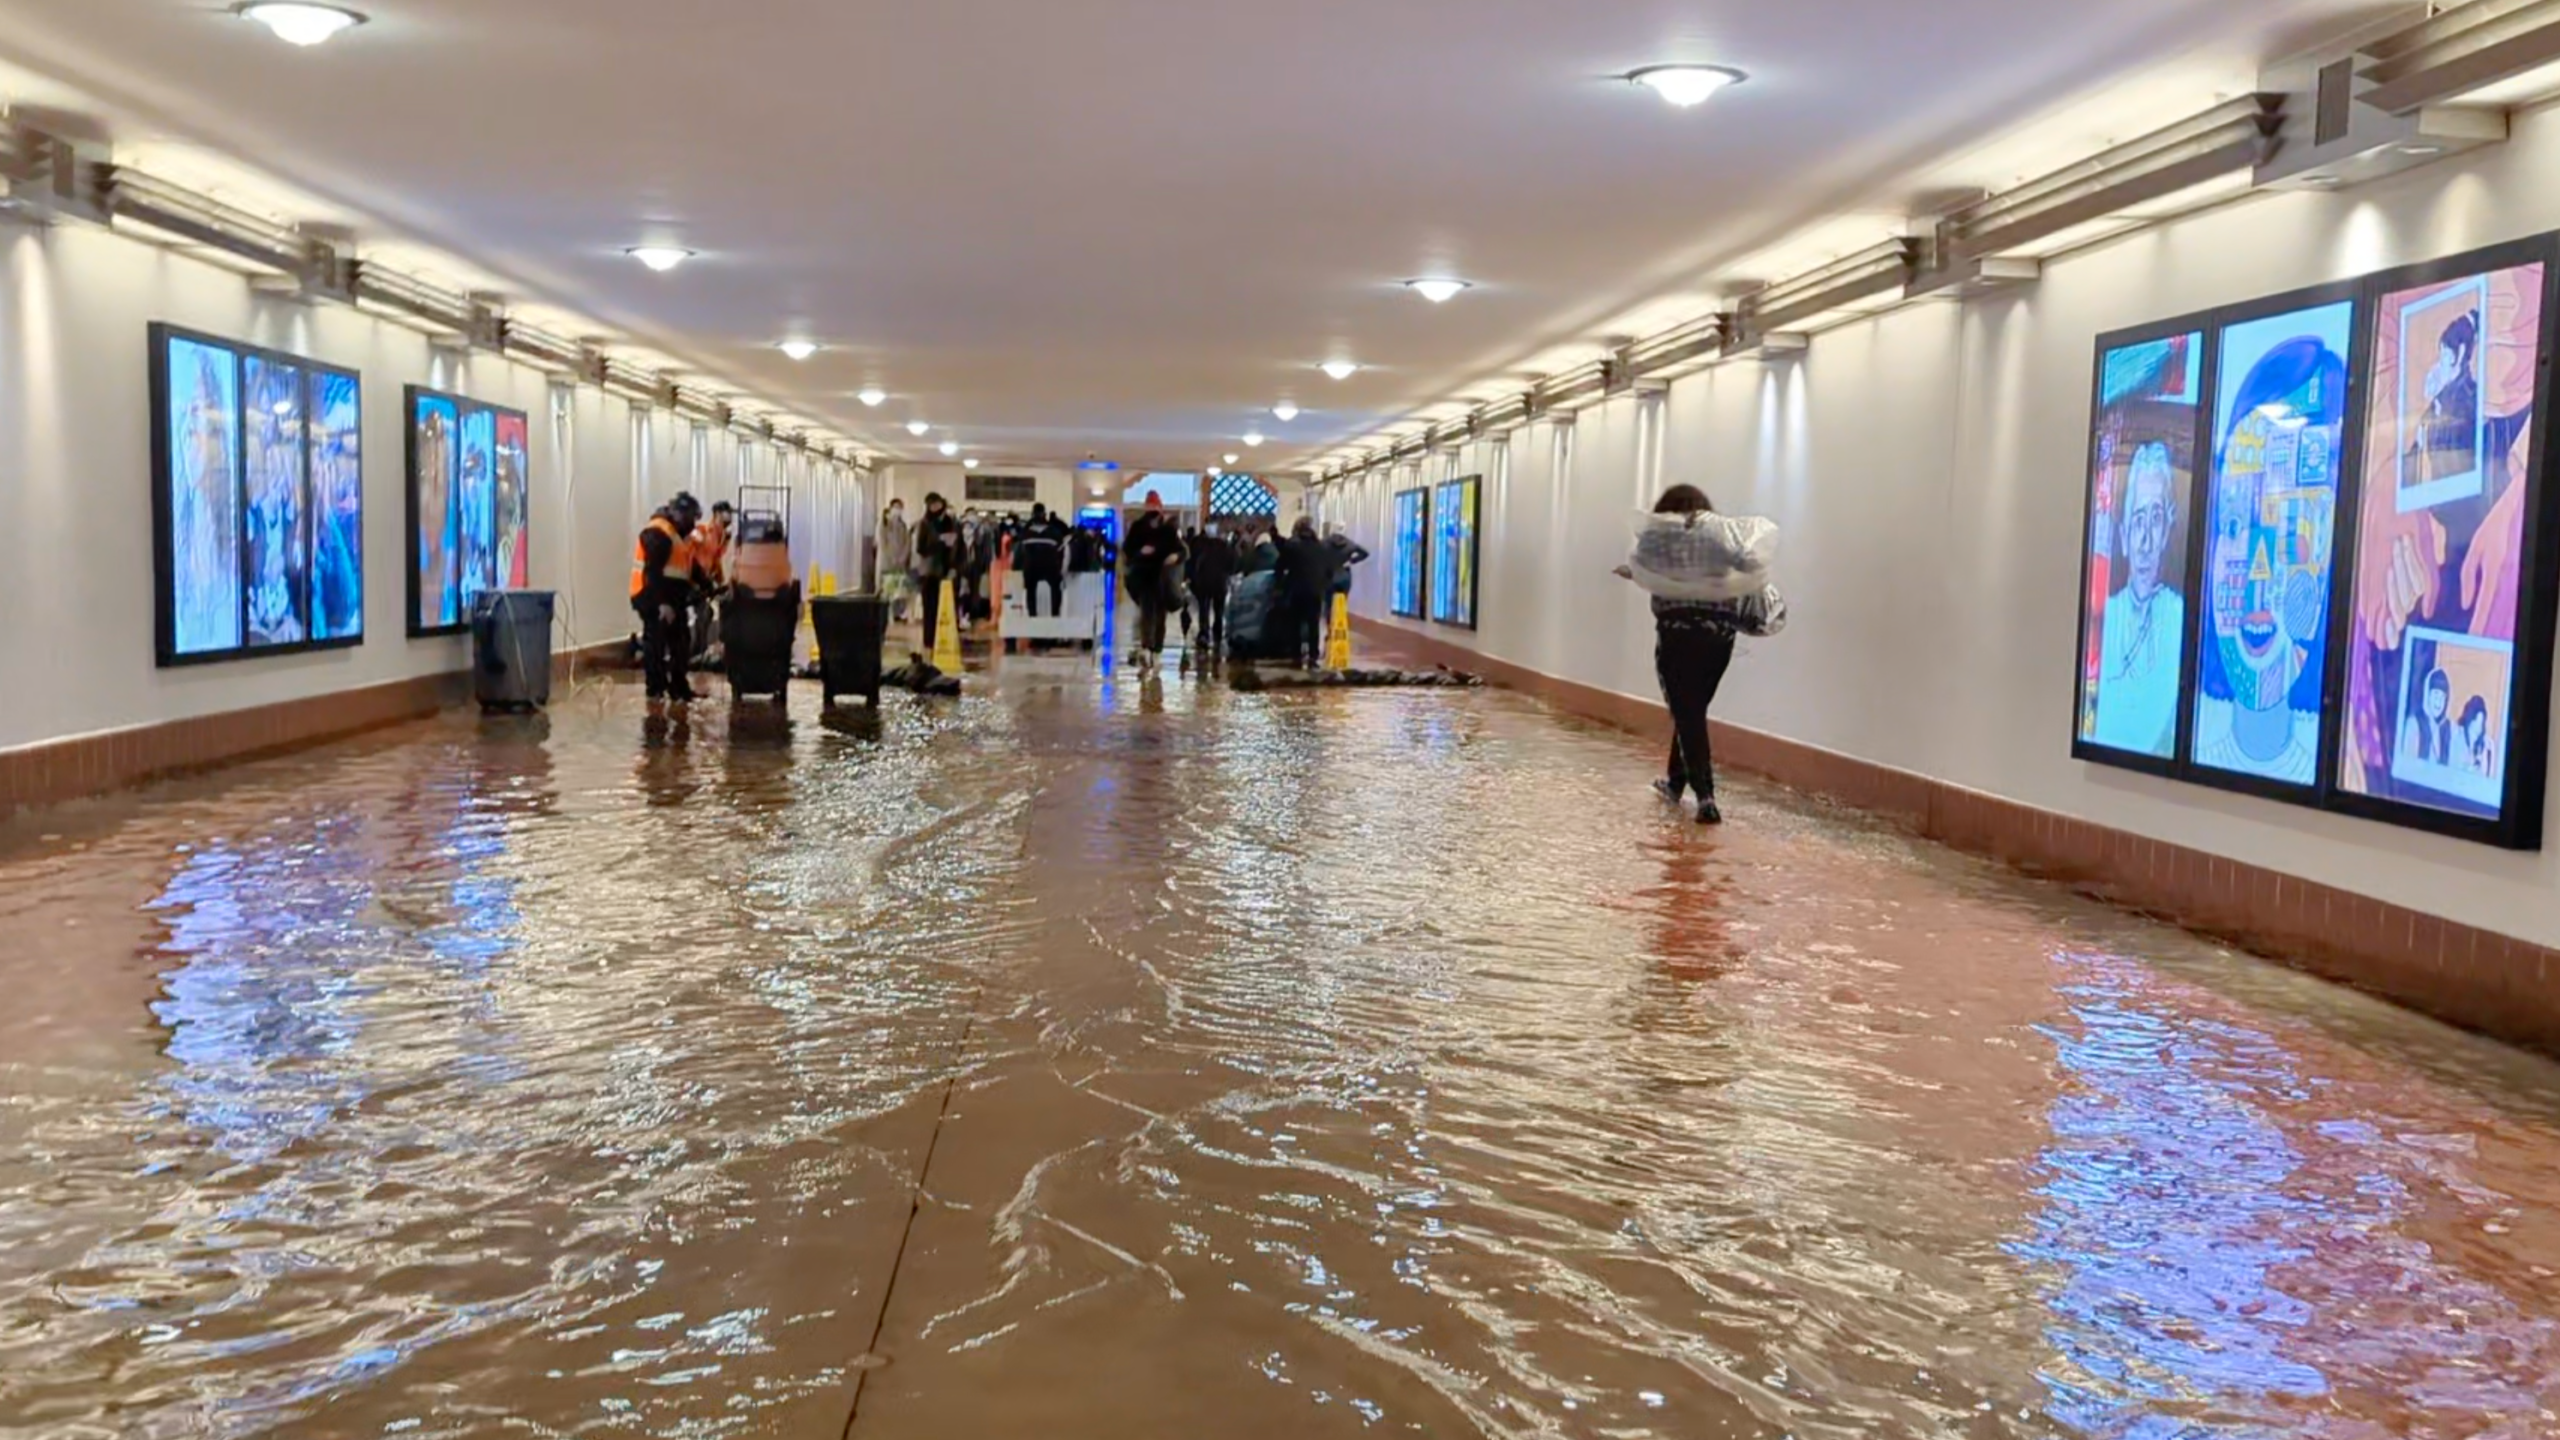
[[1088, 1058]]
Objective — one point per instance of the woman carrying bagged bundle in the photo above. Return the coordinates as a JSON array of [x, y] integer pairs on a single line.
[[1708, 575]]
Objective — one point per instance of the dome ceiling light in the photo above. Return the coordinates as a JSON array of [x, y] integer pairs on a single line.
[[661, 258], [1341, 369], [1285, 411], [1439, 290], [301, 24], [872, 395], [1686, 86], [918, 428], [798, 349]]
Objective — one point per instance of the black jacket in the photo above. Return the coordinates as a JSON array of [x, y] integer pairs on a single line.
[[938, 547], [1213, 564], [1152, 544], [1041, 549], [1306, 568]]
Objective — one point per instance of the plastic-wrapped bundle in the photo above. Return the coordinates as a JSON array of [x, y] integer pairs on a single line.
[[1704, 556]]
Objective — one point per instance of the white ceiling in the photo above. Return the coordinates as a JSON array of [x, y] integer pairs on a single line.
[[1127, 226]]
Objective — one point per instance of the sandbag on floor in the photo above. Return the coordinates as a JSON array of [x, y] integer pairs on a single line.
[[1248, 678]]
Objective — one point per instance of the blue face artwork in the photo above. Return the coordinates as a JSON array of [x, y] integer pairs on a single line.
[[2262, 631]]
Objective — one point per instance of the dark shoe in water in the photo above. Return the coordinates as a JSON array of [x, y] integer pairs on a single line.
[[1708, 814], [1669, 792]]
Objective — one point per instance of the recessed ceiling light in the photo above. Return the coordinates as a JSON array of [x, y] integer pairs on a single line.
[[1252, 438], [1686, 85], [950, 447], [918, 427], [798, 349], [301, 24], [971, 462], [1438, 290], [1285, 411], [872, 395], [1341, 369], [661, 258], [1233, 459]]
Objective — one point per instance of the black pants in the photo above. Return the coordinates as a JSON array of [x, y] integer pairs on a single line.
[[1032, 580], [1211, 603], [666, 650], [1305, 629], [1691, 661]]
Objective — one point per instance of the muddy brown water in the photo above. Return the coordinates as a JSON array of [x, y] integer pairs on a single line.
[[1099, 1058]]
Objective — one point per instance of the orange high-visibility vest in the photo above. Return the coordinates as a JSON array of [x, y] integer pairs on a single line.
[[711, 547], [679, 555]]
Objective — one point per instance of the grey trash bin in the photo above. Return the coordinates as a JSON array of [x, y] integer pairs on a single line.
[[511, 649]]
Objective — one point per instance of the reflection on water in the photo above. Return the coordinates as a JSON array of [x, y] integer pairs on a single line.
[[1195, 1063]]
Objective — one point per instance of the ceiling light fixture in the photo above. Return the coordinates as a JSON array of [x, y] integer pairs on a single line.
[[971, 463], [661, 258], [1686, 85], [1231, 459], [1439, 290], [872, 395], [950, 447], [1252, 438], [301, 24], [1285, 411], [1341, 369], [798, 349], [917, 428], [1216, 471]]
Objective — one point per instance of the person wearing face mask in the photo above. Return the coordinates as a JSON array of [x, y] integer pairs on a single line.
[[1147, 556], [897, 555], [938, 552]]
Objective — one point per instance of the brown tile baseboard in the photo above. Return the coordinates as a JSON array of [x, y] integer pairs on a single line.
[[2475, 978], [53, 771]]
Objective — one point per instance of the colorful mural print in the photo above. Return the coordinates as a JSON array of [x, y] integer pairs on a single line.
[[255, 501], [1453, 561], [273, 453], [2279, 417], [515, 503], [202, 492], [2142, 469], [435, 452], [2439, 564], [476, 504], [1413, 540], [337, 498], [471, 506]]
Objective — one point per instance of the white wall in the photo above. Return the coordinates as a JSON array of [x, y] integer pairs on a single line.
[[75, 482], [1928, 467], [949, 479]]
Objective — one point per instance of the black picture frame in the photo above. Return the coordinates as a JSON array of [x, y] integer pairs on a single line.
[[1421, 560], [2199, 324], [2520, 820], [160, 335], [1462, 487], [464, 407]]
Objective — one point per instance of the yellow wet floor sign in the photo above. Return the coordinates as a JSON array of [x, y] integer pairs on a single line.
[[1337, 645], [946, 634]]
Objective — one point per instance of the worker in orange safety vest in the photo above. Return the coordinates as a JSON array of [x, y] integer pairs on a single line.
[[665, 568]]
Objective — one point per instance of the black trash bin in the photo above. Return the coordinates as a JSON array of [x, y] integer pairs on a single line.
[[511, 649], [755, 635], [851, 631]]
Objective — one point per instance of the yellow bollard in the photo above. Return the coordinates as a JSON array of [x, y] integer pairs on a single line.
[[1337, 645], [946, 636]]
